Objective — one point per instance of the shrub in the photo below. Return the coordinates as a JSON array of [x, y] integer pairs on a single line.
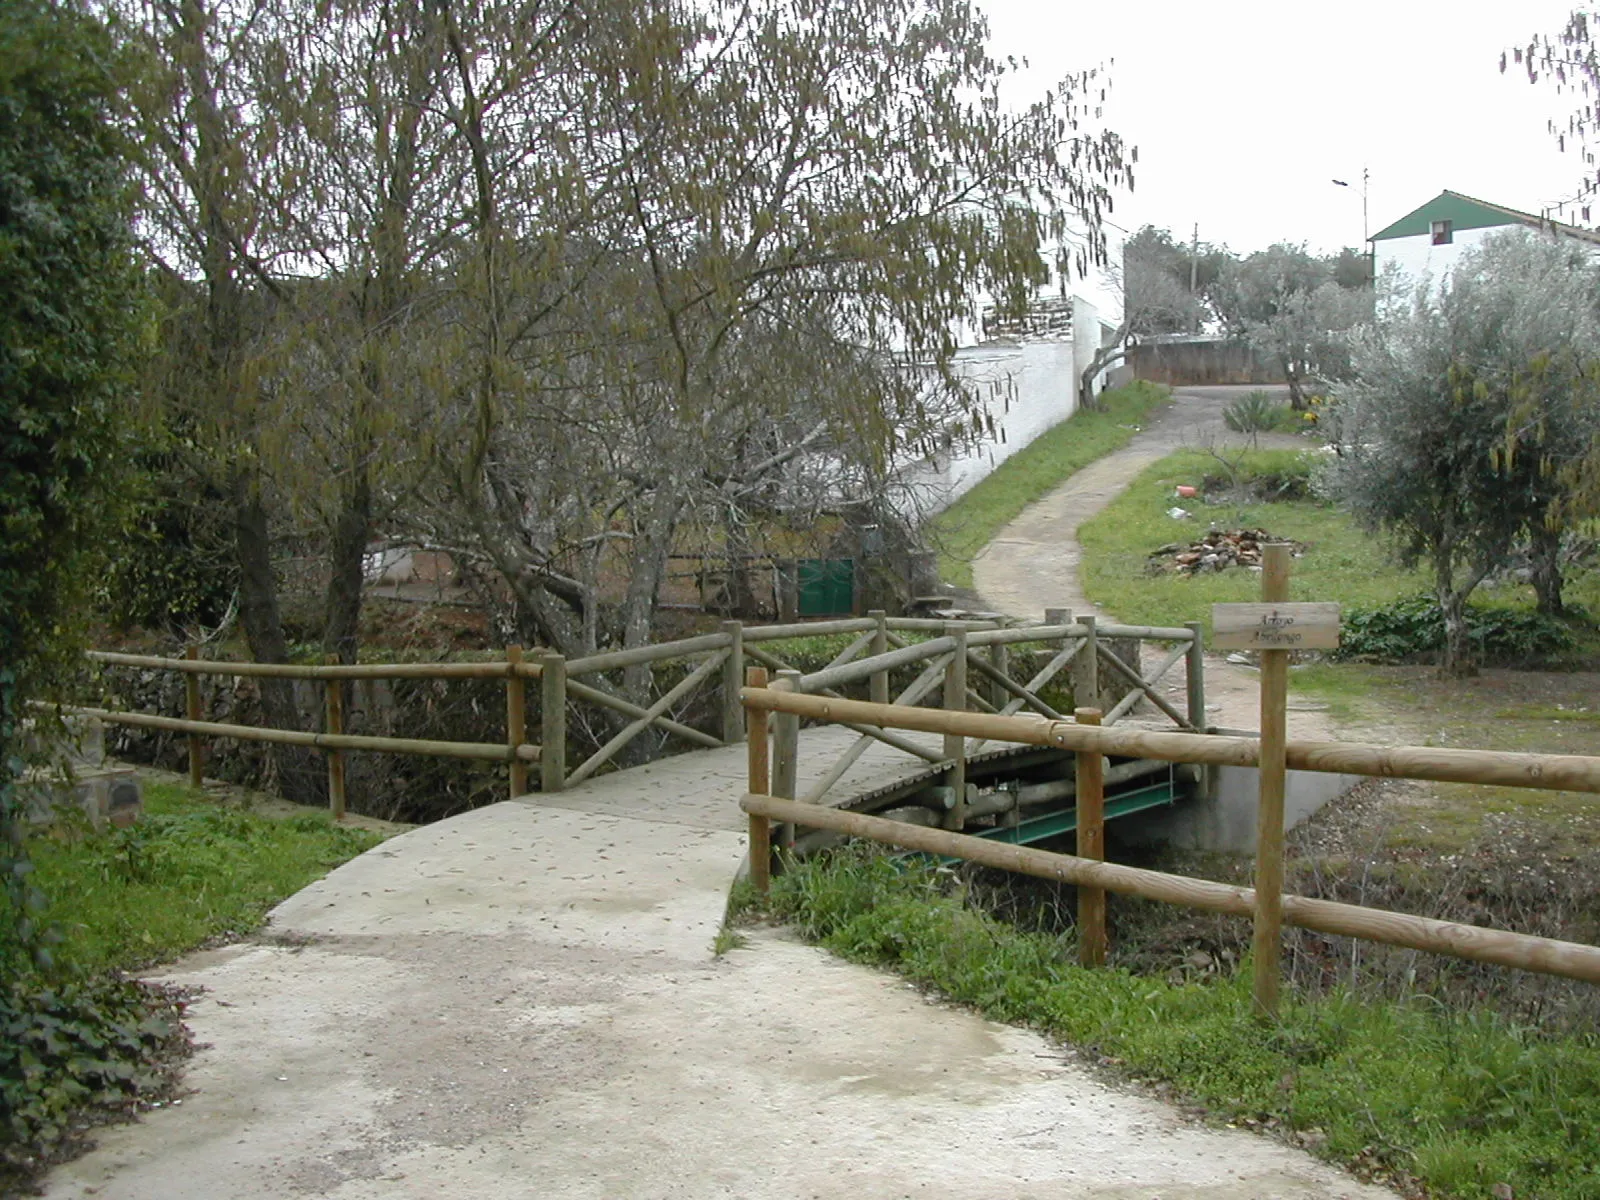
[[72, 1053], [1254, 412], [1411, 629]]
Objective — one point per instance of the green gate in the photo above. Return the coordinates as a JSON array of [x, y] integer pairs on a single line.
[[827, 586]]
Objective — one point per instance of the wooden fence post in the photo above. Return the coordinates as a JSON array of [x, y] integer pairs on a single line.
[[191, 704], [1194, 674], [732, 678], [1266, 943], [786, 758], [758, 784], [552, 722], [335, 706], [1000, 660], [516, 719], [955, 745], [1086, 668], [878, 681], [1091, 844], [1058, 616]]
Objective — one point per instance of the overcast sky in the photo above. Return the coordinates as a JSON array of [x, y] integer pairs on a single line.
[[1244, 110]]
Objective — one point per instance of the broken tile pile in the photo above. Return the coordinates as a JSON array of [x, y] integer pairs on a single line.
[[1216, 551]]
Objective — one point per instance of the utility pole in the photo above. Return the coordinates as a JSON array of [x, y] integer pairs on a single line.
[[1372, 253], [1194, 263]]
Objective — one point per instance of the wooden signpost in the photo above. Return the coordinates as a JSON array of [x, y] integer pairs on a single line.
[[1274, 627]]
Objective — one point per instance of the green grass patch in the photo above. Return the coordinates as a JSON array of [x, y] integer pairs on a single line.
[[189, 870], [972, 522], [1341, 562], [1548, 712], [1461, 1100], [1346, 688]]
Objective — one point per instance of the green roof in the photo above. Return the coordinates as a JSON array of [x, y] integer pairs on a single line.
[[1463, 212]]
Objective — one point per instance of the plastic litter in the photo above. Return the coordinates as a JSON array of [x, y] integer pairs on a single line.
[[1179, 514]]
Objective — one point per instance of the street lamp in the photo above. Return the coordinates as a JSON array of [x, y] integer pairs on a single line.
[[1366, 241]]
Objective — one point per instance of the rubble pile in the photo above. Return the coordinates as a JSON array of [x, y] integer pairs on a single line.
[[1216, 551]]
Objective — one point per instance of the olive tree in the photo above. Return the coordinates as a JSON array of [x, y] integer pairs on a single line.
[[1286, 302], [1465, 411]]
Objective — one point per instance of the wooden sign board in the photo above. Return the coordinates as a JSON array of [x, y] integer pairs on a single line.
[[1275, 626]]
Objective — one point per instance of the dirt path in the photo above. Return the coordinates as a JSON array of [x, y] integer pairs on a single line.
[[1032, 564], [521, 1002]]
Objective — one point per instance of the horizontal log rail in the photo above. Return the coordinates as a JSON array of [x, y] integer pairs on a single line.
[[246, 670], [1547, 956], [894, 638], [870, 732], [1506, 768], [486, 751], [637, 656]]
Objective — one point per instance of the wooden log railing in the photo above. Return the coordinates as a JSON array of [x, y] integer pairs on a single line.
[[516, 750], [977, 651], [1549, 772], [967, 650]]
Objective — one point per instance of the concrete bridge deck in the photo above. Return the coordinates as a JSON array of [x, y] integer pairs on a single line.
[[522, 1002]]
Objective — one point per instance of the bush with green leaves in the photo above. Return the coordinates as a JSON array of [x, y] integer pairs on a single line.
[[1252, 412], [1412, 629], [69, 311], [71, 1054]]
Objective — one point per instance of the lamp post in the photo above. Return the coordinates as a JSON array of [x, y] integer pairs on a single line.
[[1365, 240]]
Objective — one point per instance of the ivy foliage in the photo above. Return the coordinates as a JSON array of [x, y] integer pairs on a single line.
[[69, 320], [1412, 629], [73, 1053], [70, 304]]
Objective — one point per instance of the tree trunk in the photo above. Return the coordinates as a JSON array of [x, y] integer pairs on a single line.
[[298, 778], [1457, 662], [347, 554], [1297, 399], [1546, 572]]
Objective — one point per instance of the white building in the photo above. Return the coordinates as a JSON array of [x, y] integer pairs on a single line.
[[1027, 372], [1427, 242]]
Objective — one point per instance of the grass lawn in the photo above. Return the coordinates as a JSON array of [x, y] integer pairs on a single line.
[[1539, 712], [193, 868], [1341, 562], [971, 523]]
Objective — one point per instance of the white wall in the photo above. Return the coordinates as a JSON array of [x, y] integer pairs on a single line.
[[1027, 388], [1418, 259], [1028, 385]]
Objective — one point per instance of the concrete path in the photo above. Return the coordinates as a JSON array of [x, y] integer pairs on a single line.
[[522, 1002], [1032, 564]]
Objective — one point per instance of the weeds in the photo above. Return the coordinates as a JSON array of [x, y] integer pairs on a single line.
[[190, 870], [1411, 629]]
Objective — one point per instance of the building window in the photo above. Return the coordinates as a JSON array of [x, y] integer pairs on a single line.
[[1442, 233]]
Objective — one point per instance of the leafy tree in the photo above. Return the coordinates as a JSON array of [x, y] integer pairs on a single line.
[[1466, 411], [1286, 302], [780, 221], [1542, 294], [69, 325], [1351, 268], [1167, 286]]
